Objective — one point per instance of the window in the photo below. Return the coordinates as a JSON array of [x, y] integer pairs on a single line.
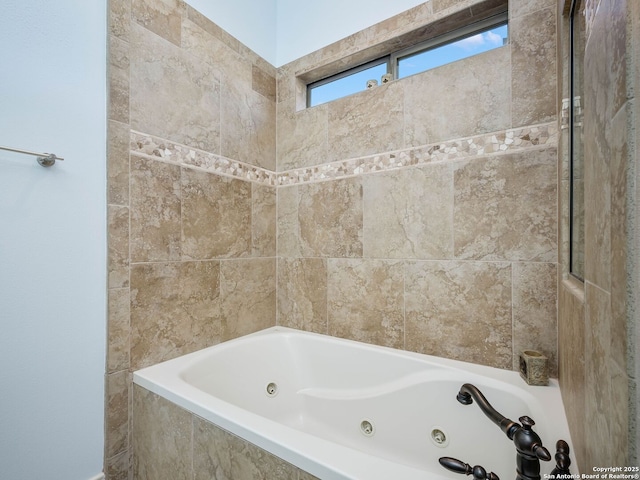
[[345, 83], [462, 43]]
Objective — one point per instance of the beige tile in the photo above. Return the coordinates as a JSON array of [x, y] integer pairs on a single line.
[[366, 123], [219, 455], [119, 331], [518, 8], [174, 310], [534, 311], [598, 374], [117, 413], [202, 40], [408, 213], [174, 95], [288, 244], [263, 223], [263, 83], [254, 463], [302, 293], [119, 467], [533, 58], [118, 254], [505, 207], [571, 366], [212, 29], [162, 17], [247, 295], [439, 5], [620, 252], [330, 218], [212, 451], [306, 476], [216, 216], [248, 131], [155, 211], [162, 438], [302, 138], [474, 99], [365, 301], [118, 163], [619, 417], [120, 18], [118, 79], [460, 310], [597, 199]]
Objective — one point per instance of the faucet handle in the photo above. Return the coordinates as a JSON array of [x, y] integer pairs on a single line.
[[533, 440], [527, 422], [458, 466]]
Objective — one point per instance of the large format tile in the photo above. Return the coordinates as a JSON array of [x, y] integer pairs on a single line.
[[599, 409], [408, 213], [216, 216], [365, 301], [162, 438], [173, 94], [302, 293], [461, 99], [118, 258], [247, 296], [366, 123], [162, 17], [174, 310], [330, 218], [505, 207], [533, 63], [155, 229], [534, 311], [263, 220], [460, 310]]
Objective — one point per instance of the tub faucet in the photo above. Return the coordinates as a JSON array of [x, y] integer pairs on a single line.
[[527, 442]]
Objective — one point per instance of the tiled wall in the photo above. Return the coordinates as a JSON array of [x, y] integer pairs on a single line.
[[597, 319], [171, 443], [451, 247], [421, 214], [191, 250]]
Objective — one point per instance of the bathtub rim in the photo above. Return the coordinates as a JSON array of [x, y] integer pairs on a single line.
[[320, 457]]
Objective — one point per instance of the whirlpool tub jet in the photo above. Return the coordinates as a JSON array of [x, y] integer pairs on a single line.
[[340, 409]]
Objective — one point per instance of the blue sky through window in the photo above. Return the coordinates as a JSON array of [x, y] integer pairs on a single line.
[[346, 85], [451, 52], [411, 64]]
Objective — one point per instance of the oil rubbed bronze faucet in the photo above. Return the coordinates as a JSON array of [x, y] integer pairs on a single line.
[[527, 442]]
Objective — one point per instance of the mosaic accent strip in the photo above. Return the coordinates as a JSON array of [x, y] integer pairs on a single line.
[[148, 146]]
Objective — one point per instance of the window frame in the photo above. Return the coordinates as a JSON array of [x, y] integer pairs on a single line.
[[453, 36], [344, 74], [392, 59]]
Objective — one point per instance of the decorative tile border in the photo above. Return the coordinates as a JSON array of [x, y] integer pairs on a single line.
[[148, 146]]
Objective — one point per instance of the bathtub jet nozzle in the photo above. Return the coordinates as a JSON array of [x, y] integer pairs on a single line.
[[527, 442]]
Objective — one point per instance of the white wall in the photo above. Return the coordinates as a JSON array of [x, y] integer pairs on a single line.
[[52, 239], [306, 26], [284, 30], [253, 22]]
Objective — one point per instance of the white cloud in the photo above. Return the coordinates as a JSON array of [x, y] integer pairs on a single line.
[[471, 43], [493, 38], [480, 40]]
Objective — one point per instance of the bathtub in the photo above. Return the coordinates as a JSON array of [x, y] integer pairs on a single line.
[[340, 409]]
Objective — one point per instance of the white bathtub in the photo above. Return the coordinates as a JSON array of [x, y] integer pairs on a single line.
[[304, 398]]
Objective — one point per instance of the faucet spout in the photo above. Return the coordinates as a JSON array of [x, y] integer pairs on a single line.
[[529, 448], [468, 393]]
